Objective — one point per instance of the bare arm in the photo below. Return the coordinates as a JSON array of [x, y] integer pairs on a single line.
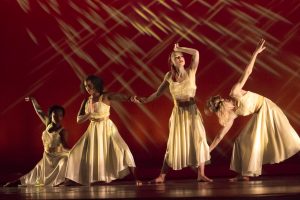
[[82, 116], [238, 87], [38, 109], [161, 89], [118, 97], [221, 134], [193, 52]]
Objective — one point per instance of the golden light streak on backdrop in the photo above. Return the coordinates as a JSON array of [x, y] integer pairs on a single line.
[[128, 42]]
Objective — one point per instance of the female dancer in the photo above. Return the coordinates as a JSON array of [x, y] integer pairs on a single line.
[[50, 170], [267, 138], [187, 146], [100, 154]]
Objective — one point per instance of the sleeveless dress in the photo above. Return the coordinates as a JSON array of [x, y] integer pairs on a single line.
[[100, 154], [267, 138], [50, 170], [187, 145]]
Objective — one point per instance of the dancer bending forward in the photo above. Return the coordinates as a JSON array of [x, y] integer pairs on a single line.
[[267, 138]]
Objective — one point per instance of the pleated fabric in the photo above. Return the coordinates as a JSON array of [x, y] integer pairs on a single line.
[[100, 154], [50, 170], [267, 138], [187, 145]]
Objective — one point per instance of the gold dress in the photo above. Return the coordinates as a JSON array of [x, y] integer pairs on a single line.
[[267, 138], [50, 170], [187, 145], [100, 154]]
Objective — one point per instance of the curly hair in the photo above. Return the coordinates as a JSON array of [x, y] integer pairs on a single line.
[[55, 108], [215, 104]]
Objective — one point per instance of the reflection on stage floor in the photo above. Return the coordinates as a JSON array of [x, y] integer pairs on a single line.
[[274, 187]]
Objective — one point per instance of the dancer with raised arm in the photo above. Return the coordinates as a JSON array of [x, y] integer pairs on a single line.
[[100, 155], [187, 145], [268, 137], [50, 171]]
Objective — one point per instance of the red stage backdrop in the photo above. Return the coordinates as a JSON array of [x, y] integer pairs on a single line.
[[48, 46]]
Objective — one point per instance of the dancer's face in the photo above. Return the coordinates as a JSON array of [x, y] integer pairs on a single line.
[[57, 116], [178, 59], [89, 87]]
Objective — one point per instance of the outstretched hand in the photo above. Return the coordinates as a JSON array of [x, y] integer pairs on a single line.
[[138, 100], [260, 47], [135, 99]]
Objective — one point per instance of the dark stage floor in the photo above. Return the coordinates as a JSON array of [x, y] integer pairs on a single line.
[[275, 187]]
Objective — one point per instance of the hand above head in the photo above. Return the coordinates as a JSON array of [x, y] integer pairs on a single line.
[[176, 46], [28, 98], [260, 47]]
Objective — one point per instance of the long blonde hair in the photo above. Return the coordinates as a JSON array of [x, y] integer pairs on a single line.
[[172, 67]]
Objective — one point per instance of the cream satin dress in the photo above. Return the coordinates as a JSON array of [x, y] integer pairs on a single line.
[[267, 138], [100, 154], [50, 170], [187, 145]]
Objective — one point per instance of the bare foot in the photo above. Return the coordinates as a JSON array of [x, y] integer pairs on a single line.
[[239, 178], [203, 178], [157, 180], [138, 183]]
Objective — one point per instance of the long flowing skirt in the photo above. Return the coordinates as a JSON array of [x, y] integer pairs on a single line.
[[267, 138], [187, 145], [50, 170], [100, 155]]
